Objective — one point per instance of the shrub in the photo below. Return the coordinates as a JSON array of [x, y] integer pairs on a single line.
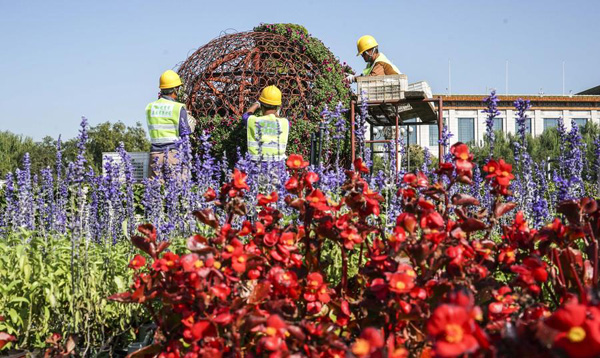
[[48, 288]]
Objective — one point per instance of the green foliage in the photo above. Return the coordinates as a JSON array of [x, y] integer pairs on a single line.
[[503, 148], [542, 147], [13, 147], [47, 287], [329, 87]]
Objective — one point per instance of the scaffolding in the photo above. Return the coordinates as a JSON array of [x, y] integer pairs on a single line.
[[396, 113]]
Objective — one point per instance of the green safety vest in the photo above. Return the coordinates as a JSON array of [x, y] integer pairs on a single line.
[[273, 139], [163, 121], [380, 58]]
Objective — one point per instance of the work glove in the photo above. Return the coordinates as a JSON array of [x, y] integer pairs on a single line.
[[351, 78]]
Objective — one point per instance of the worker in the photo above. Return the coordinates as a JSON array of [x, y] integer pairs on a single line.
[[167, 122], [377, 63], [267, 134]]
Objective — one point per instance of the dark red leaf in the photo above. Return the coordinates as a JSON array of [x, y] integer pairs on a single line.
[[589, 205], [471, 225], [162, 247], [207, 216], [503, 208], [259, 293], [146, 352], [121, 297], [463, 199], [144, 244], [148, 230]]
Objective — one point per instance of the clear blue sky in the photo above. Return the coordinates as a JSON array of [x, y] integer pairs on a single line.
[[60, 60]]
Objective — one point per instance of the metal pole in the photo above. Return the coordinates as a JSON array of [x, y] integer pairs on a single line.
[[396, 145], [371, 134], [321, 133], [408, 147], [352, 139], [440, 128], [312, 149]]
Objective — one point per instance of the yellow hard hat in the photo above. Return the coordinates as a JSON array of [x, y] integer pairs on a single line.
[[169, 79], [270, 95], [365, 43]]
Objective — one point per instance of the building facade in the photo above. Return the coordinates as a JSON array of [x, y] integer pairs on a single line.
[[466, 120]]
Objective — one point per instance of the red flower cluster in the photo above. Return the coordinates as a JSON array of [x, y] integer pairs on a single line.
[[337, 278], [500, 175]]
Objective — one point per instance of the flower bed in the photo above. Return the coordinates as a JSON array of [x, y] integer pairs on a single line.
[[437, 285]]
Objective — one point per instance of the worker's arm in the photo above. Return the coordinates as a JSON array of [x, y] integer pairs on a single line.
[[382, 68], [251, 110], [378, 70]]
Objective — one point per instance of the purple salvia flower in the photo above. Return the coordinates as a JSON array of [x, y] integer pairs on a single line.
[[477, 185], [60, 215], [361, 125], [492, 112], [524, 185], [25, 195], [596, 164], [128, 196], [540, 209], [444, 141], [47, 204], [522, 106], [574, 164]]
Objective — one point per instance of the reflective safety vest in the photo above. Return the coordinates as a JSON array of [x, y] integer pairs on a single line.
[[163, 121], [380, 58], [271, 137]]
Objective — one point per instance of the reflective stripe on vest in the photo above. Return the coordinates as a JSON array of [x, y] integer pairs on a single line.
[[267, 137], [381, 58], [162, 117]]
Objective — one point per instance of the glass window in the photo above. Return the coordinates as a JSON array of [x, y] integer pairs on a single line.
[[434, 135], [466, 130], [498, 124], [581, 122], [412, 136], [527, 126], [550, 123]]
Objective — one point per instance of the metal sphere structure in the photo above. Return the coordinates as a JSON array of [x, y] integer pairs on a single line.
[[223, 77]]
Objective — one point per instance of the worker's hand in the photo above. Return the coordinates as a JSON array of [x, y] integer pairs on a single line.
[[257, 104], [350, 78]]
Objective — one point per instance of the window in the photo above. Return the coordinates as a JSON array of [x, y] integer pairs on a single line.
[[412, 130], [466, 130], [434, 135], [550, 123], [498, 124], [581, 122], [527, 126], [412, 136]]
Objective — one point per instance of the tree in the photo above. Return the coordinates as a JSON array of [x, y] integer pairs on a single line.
[[105, 137], [14, 146]]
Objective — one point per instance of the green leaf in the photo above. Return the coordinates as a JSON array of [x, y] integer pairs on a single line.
[[19, 299], [14, 316]]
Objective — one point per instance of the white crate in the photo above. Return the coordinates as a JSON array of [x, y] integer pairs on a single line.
[[382, 88], [421, 86], [140, 162]]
